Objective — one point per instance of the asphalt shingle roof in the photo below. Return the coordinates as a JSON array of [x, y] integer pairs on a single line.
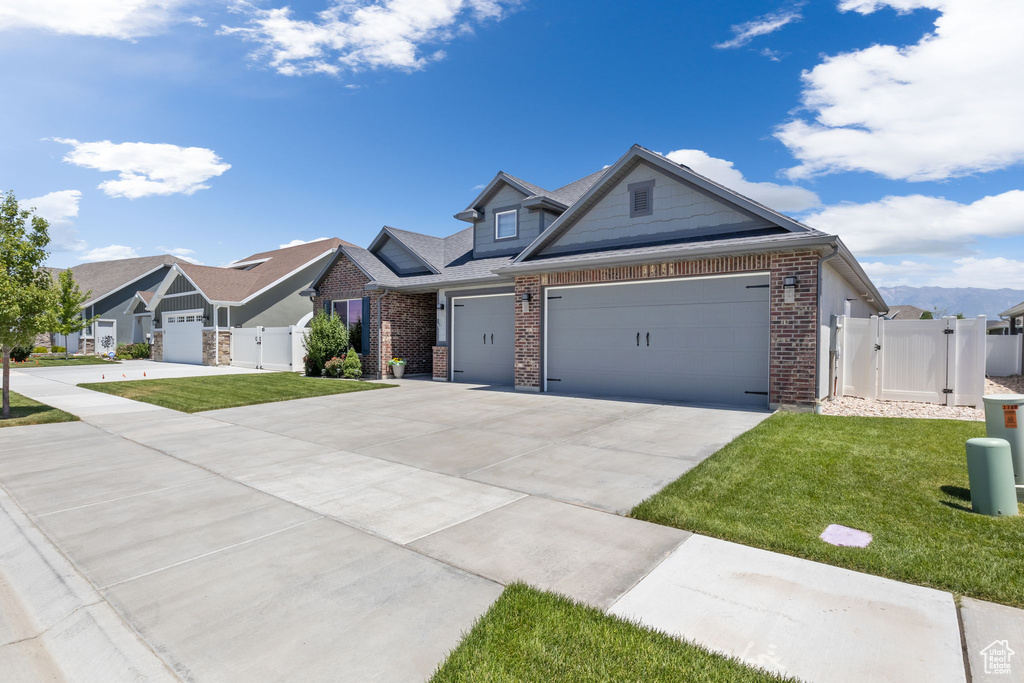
[[103, 277]]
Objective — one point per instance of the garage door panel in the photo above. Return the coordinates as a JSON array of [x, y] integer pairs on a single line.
[[483, 342], [708, 340], [183, 337]]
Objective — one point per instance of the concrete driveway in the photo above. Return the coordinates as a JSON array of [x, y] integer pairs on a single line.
[[355, 537]]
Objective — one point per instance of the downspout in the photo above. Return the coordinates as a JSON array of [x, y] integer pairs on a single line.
[[380, 333], [817, 334]]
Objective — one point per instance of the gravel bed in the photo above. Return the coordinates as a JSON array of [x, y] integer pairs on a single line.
[[853, 406]]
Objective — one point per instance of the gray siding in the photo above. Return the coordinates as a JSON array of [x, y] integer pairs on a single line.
[[113, 307], [678, 211], [399, 258], [484, 244], [281, 306], [180, 286]]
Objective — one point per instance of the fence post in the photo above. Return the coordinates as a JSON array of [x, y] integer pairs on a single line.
[[874, 364], [978, 385], [951, 361], [838, 362]]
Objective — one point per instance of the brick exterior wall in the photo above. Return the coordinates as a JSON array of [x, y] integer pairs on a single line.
[[408, 322], [441, 363], [212, 355], [793, 327], [156, 346]]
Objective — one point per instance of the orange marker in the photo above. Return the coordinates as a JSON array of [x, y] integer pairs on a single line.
[[122, 374], [103, 376]]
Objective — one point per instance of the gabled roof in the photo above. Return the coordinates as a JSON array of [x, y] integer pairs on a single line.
[[143, 297], [231, 285], [636, 155], [102, 278], [905, 312], [1013, 312], [426, 249]]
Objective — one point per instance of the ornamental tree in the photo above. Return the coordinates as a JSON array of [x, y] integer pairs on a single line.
[[67, 312], [26, 288]]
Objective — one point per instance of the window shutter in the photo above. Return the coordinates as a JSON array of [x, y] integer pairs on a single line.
[[366, 324]]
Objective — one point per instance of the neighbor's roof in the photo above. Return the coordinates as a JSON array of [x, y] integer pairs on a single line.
[[105, 277], [231, 284], [905, 312], [1013, 312]]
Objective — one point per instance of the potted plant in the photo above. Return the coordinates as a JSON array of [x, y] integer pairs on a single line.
[[397, 367]]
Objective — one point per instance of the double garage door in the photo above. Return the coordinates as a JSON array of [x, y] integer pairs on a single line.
[[703, 340], [183, 337]]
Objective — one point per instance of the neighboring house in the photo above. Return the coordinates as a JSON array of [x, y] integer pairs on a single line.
[[1015, 316], [112, 286], [195, 307], [643, 280], [905, 312]]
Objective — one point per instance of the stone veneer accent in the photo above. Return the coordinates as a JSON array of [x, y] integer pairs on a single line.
[[156, 346], [408, 322], [87, 346], [210, 351], [441, 363], [793, 327]]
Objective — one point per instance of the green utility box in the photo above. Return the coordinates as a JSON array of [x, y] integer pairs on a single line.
[[990, 470], [1004, 419]]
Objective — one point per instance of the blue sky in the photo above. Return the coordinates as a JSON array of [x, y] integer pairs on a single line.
[[215, 129]]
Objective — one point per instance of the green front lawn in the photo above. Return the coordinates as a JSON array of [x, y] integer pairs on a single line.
[[903, 480], [529, 635], [25, 411], [57, 362], [195, 394]]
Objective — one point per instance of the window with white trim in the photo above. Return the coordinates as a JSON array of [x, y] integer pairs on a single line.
[[506, 224], [351, 313]]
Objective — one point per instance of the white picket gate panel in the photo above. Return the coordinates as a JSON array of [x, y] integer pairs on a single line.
[[929, 361], [268, 348], [1003, 354]]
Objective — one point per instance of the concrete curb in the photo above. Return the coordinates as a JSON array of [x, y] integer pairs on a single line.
[[53, 624]]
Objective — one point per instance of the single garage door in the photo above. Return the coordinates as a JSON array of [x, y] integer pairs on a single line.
[[183, 337], [483, 339], [701, 340]]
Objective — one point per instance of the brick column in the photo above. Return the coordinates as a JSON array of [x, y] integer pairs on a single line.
[[794, 330], [528, 333], [440, 363]]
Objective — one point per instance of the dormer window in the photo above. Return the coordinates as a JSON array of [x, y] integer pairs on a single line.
[[641, 199], [506, 224]]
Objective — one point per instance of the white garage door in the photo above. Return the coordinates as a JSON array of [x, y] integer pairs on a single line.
[[702, 340], [183, 337]]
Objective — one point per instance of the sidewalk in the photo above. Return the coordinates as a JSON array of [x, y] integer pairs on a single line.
[[793, 616]]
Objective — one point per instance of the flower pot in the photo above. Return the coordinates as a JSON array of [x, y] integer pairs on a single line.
[[399, 370]]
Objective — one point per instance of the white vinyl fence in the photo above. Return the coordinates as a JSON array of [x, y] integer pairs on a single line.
[[929, 361], [268, 348], [1003, 354]]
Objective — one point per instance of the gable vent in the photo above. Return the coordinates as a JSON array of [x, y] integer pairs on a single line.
[[641, 200]]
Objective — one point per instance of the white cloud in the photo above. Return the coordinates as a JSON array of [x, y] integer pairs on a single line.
[[917, 224], [146, 168], [114, 251], [295, 243], [987, 273], [779, 197], [761, 26], [947, 106], [58, 208], [354, 34], [909, 273], [125, 19], [182, 253]]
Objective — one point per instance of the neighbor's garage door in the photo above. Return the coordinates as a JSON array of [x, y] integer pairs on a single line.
[[183, 337], [483, 339], [697, 339]]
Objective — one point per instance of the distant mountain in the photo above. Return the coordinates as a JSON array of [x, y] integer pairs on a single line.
[[971, 301]]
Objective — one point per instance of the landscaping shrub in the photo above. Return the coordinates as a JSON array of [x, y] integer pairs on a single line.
[[19, 354], [40, 349], [351, 367], [58, 349], [327, 338], [334, 367], [132, 351]]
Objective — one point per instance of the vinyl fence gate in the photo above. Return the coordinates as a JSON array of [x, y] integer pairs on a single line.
[[928, 361], [268, 348]]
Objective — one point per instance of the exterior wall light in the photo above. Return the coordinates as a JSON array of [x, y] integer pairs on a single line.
[[440, 307], [789, 289], [525, 297]]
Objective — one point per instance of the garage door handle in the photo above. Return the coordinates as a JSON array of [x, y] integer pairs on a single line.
[[492, 338], [638, 339], [485, 337], [648, 338]]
